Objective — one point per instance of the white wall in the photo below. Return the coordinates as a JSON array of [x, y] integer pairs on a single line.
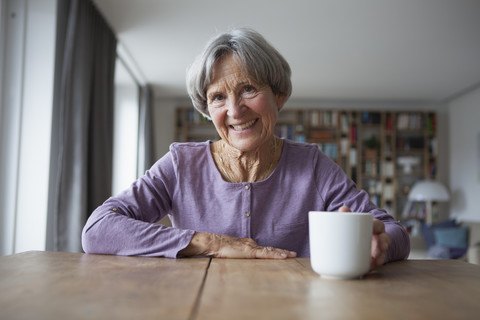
[[26, 123], [164, 123], [465, 156]]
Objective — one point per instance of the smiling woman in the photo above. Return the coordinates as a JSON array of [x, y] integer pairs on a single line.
[[244, 114], [247, 195]]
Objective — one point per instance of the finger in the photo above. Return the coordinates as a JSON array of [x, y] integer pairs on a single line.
[[377, 261], [380, 259], [375, 246], [344, 209], [380, 244], [378, 226], [273, 253], [385, 240]]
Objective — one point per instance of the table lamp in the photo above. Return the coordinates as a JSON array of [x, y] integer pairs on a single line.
[[428, 191]]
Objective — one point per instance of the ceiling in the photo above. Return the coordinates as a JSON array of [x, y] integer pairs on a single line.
[[370, 50]]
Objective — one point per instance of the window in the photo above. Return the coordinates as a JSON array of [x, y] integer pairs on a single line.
[[125, 134]]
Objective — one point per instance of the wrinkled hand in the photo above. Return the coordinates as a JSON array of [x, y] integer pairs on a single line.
[[222, 246], [380, 242]]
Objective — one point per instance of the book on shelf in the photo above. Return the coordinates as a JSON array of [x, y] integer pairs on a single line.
[[415, 210], [301, 138], [344, 123], [388, 192], [344, 144], [431, 124], [329, 148], [410, 121], [333, 119], [388, 169], [432, 170], [324, 118], [371, 117], [372, 167], [353, 156], [433, 146], [353, 133], [314, 118], [389, 123]]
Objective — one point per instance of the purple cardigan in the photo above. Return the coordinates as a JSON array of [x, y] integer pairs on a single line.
[[186, 185]]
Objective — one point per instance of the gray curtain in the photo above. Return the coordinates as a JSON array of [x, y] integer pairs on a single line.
[[82, 126], [146, 153]]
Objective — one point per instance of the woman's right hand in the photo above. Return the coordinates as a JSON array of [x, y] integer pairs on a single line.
[[222, 246]]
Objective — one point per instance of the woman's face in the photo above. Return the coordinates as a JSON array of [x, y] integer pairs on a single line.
[[243, 112]]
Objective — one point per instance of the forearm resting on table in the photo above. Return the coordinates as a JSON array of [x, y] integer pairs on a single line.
[[222, 246]]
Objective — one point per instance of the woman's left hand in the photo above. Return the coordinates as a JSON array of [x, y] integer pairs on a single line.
[[380, 242]]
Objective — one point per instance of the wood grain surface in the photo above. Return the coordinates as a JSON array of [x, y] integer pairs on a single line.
[[54, 285]]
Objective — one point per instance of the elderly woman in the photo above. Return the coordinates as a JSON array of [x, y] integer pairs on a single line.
[[247, 195]]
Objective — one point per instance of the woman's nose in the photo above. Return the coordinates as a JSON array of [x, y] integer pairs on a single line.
[[235, 107]]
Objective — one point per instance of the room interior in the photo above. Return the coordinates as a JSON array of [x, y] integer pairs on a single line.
[[395, 58], [400, 56]]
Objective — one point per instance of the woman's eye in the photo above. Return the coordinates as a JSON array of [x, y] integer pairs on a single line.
[[249, 90], [216, 97]]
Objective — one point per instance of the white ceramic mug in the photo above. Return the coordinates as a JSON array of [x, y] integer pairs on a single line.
[[340, 243]]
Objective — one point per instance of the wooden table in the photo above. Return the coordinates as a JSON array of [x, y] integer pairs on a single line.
[[54, 285]]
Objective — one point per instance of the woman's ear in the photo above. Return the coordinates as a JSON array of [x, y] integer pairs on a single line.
[[280, 99]]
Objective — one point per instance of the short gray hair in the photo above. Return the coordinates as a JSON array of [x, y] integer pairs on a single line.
[[262, 62]]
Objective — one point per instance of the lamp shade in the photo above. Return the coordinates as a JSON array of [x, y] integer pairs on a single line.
[[428, 190]]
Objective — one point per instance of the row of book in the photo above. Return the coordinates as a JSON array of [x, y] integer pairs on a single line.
[[371, 117], [330, 149], [377, 168], [371, 168], [377, 191], [410, 121], [415, 209], [324, 118], [431, 124]]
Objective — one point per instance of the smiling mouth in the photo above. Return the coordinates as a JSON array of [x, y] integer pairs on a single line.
[[244, 126]]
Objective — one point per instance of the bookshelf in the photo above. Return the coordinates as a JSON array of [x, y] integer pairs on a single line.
[[192, 126], [384, 152]]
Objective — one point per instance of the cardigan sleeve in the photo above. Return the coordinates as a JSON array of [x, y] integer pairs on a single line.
[[126, 224]]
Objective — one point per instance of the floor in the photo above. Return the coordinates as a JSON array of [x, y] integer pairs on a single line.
[[418, 248], [419, 254]]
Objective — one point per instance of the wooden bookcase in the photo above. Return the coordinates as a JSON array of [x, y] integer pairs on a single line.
[[192, 126], [384, 152]]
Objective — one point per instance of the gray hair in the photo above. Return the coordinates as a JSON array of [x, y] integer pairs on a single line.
[[260, 60]]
